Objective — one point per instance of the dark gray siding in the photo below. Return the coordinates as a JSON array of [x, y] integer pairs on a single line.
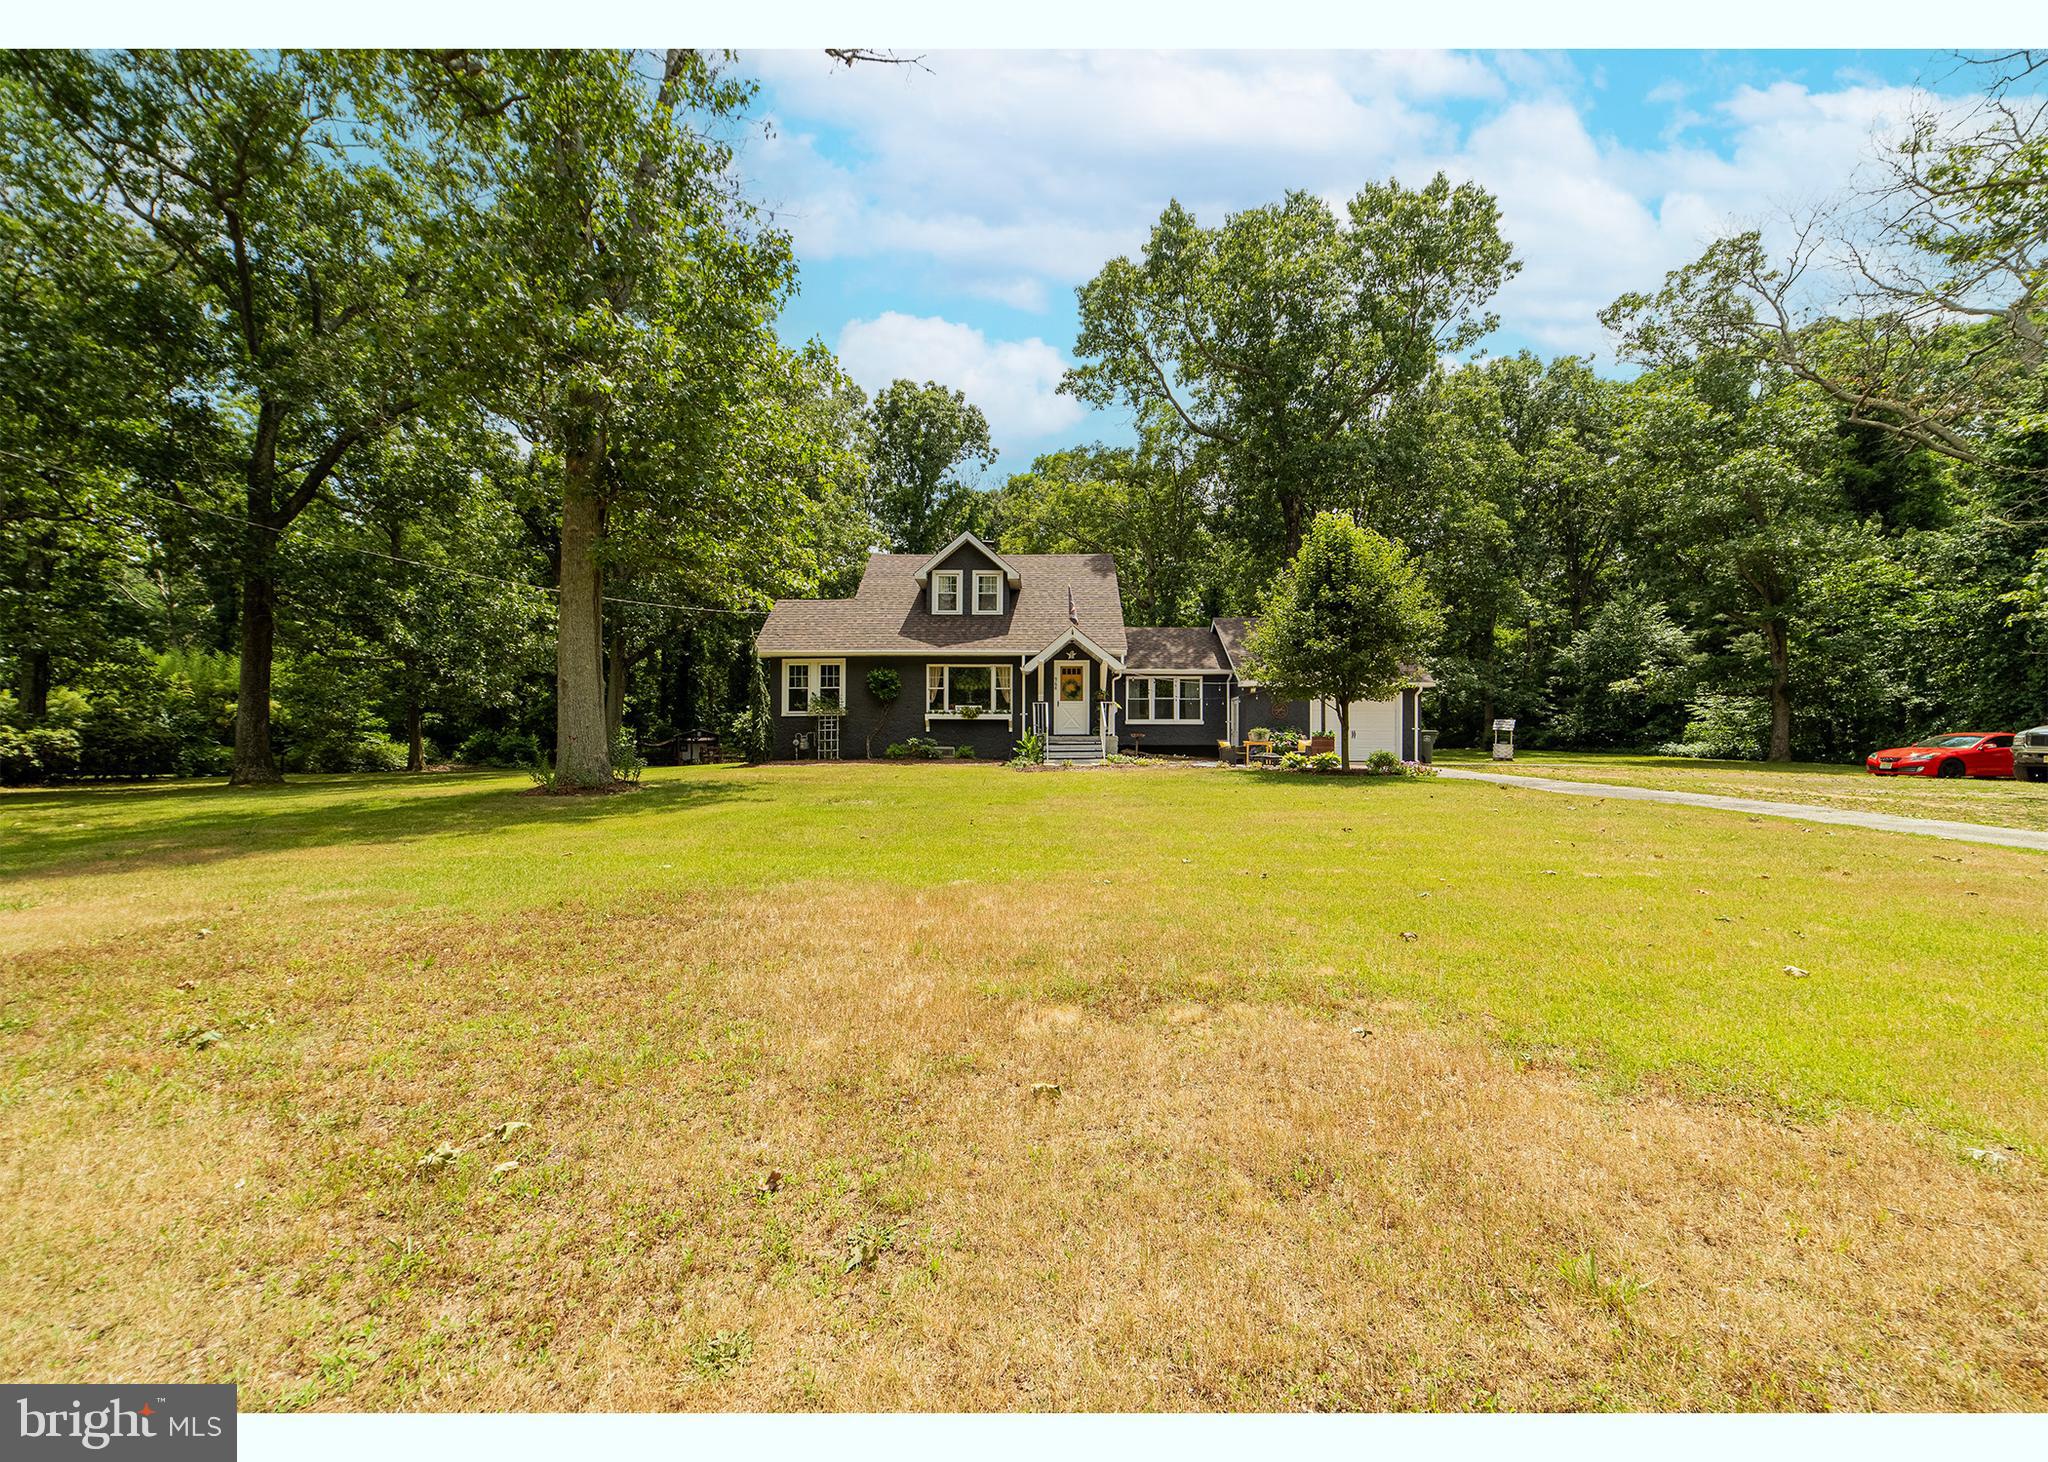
[[992, 737], [1257, 708], [1187, 736], [967, 558]]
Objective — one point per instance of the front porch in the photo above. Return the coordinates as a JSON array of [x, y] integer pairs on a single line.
[[1072, 686]]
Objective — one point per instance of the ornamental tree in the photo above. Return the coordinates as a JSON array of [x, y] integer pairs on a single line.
[[1344, 621]]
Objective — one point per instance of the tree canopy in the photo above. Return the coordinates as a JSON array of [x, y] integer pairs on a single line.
[[1277, 334], [375, 410]]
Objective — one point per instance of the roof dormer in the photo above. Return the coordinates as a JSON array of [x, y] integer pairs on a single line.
[[967, 577]]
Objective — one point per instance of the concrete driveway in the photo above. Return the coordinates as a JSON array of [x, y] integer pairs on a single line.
[[1928, 827]]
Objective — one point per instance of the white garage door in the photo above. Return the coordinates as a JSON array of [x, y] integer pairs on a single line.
[[1375, 726]]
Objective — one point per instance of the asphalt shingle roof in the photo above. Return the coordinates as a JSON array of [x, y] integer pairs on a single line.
[[890, 613], [1231, 633], [1171, 648]]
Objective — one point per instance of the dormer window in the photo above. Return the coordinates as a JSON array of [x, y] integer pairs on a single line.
[[988, 592], [946, 592]]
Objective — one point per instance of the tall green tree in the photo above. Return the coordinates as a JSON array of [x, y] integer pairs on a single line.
[[630, 292], [1278, 334], [1743, 512], [1147, 506], [427, 582], [93, 349], [925, 440], [280, 193], [1344, 621]]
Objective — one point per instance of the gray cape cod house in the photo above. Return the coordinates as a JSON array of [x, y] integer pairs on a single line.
[[986, 646]]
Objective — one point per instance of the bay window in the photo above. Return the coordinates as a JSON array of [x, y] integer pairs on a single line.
[[948, 689]]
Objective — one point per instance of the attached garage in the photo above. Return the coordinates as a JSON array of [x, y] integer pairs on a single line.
[[1375, 725]]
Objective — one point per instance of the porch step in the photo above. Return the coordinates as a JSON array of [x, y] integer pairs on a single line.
[[1073, 750]]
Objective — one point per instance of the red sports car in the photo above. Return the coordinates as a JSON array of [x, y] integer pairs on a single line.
[[1958, 754]]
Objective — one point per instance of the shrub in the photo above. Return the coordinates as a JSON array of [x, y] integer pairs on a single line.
[[1723, 728], [378, 754], [499, 749], [1323, 762], [371, 751], [963, 753], [753, 729], [1384, 763], [1030, 750], [917, 748], [627, 762], [37, 754]]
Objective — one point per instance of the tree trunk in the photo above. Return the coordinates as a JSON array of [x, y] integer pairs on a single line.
[[415, 740], [1344, 734], [582, 750], [616, 671], [1290, 518], [34, 688], [254, 766], [1781, 699]]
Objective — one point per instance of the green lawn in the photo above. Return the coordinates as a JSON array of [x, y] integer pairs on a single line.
[[1031, 1035], [1638, 939], [2001, 803]]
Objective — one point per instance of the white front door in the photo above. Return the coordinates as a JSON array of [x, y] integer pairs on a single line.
[[1070, 697]]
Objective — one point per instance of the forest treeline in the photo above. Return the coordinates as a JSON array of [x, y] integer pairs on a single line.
[[361, 410]]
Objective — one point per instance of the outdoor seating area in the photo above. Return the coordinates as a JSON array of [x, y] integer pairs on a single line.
[[1266, 750]]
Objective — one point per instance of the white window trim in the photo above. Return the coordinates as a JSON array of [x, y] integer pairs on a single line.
[[946, 684], [782, 671], [1176, 719], [981, 575], [959, 592]]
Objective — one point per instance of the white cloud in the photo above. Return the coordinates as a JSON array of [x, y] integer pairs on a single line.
[[1014, 382], [1013, 176]]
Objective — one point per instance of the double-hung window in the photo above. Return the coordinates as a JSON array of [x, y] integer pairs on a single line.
[[950, 689], [805, 680], [1159, 698], [988, 592], [946, 592]]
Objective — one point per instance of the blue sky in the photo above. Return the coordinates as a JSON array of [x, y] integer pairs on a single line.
[[944, 216]]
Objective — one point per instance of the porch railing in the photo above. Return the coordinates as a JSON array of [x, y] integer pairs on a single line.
[[1041, 717]]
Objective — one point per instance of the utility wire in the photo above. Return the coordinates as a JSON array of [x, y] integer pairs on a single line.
[[431, 567]]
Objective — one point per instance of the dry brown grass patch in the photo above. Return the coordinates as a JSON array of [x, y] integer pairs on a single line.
[[864, 1147]]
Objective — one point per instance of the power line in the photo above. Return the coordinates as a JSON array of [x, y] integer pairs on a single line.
[[438, 568]]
